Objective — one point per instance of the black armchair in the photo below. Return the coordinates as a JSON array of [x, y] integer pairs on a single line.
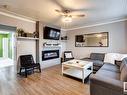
[[68, 55], [27, 63]]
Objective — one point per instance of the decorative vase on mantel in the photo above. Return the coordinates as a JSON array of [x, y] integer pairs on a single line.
[[20, 32], [36, 35]]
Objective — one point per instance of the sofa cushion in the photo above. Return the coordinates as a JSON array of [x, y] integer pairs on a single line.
[[97, 56], [109, 74], [123, 76], [97, 63], [111, 67]]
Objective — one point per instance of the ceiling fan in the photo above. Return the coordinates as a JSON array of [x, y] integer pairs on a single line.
[[67, 16]]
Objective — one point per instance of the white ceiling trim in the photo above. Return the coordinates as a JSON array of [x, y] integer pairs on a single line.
[[99, 24], [24, 18], [16, 16]]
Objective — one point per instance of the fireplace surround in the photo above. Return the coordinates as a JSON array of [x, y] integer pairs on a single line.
[[50, 54]]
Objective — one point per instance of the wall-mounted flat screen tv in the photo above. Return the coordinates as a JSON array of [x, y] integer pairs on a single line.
[[51, 33], [79, 38]]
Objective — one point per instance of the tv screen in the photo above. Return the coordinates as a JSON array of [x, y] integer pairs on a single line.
[[79, 38], [51, 33]]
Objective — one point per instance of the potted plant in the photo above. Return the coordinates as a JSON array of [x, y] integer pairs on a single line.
[[20, 32]]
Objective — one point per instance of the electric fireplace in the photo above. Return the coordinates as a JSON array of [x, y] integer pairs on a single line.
[[50, 54]]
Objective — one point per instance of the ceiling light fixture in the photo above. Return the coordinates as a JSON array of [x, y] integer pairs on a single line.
[[99, 35], [67, 19]]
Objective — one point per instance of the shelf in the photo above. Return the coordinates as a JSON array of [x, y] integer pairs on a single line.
[[77, 73], [27, 38], [51, 46]]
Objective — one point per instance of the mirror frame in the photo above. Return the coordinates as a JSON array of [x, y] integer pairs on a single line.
[[91, 34]]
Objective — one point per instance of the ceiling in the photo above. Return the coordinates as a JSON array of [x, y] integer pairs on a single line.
[[96, 11]]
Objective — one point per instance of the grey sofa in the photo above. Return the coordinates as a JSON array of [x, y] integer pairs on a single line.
[[97, 59], [109, 79]]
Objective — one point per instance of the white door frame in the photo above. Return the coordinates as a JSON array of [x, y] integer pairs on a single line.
[[5, 47]]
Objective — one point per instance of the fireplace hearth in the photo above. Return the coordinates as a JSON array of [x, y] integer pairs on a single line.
[[50, 54]]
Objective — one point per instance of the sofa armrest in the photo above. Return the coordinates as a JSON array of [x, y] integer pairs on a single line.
[[107, 82]]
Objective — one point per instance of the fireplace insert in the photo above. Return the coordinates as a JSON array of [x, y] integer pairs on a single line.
[[50, 54]]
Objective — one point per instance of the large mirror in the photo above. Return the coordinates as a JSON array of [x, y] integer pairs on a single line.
[[92, 40]]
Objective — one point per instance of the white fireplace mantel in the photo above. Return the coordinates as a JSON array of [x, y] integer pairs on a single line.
[[45, 44]]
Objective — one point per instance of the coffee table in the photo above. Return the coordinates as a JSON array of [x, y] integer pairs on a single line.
[[77, 68]]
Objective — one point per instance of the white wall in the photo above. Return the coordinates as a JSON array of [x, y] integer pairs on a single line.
[[117, 39], [26, 47], [48, 63], [63, 42], [23, 46], [25, 25]]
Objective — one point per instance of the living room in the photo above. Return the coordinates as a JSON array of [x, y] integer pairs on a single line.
[[76, 47]]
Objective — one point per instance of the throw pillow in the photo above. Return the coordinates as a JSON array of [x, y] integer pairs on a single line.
[[123, 56], [68, 55], [110, 58], [118, 63]]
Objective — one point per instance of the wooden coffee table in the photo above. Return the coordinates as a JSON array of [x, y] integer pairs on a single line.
[[77, 68]]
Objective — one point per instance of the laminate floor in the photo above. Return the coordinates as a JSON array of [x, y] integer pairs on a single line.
[[48, 82], [6, 62]]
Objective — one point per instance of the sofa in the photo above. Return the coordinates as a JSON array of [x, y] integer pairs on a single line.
[[109, 79], [97, 59]]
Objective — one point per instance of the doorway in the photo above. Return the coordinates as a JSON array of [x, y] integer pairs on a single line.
[[7, 44]]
